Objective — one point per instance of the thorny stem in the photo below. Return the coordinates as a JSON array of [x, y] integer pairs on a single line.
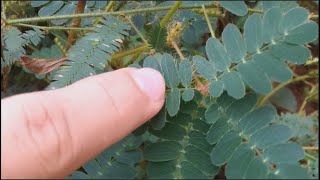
[[76, 22], [55, 27], [108, 8], [208, 21], [170, 13], [265, 99], [136, 29]]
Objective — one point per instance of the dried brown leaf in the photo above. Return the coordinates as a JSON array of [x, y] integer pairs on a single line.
[[41, 66]]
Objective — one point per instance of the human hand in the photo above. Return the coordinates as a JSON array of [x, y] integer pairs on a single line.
[[50, 134]]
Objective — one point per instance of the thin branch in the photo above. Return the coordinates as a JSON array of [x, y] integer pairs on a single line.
[[309, 156], [174, 44], [265, 99], [84, 15], [170, 13], [129, 52], [311, 148], [55, 27], [75, 23], [208, 21], [136, 29]]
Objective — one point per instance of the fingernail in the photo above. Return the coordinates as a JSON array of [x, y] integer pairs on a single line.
[[151, 82]]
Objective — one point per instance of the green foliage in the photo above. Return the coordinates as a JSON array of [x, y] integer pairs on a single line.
[[118, 161], [15, 41], [92, 51]]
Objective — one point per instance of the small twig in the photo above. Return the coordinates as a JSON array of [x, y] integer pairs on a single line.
[[311, 148], [136, 29], [208, 21], [55, 27], [265, 99], [75, 23], [309, 156], [170, 13], [174, 44], [129, 52]]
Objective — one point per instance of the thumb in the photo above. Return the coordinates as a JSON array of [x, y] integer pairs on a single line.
[[49, 134]]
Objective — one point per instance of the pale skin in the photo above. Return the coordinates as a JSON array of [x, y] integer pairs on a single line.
[[49, 134]]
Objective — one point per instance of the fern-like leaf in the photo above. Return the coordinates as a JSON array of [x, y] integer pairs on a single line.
[[92, 51]]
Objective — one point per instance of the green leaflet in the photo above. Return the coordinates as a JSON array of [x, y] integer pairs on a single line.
[[236, 7], [188, 95], [162, 151], [253, 33], [275, 69], [189, 171], [296, 54], [213, 113], [169, 70], [270, 135], [234, 43], [224, 149], [291, 171], [257, 119], [185, 72], [271, 21], [160, 170], [152, 62], [159, 120], [254, 78], [117, 161], [50, 8], [293, 153], [285, 98], [240, 108], [292, 19], [233, 84], [256, 169], [173, 101], [303, 34], [170, 131], [216, 88], [217, 130], [239, 162], [203, 67], [217, 54]]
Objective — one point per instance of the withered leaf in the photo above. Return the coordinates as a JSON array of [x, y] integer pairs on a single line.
[[41, 66]]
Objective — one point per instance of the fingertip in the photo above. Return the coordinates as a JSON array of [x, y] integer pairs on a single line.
[[150, 82]]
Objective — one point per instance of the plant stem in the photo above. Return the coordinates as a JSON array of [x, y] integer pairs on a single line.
[[108, 8], [264, 100], [170, 13], [309, 156], [136, 29], [174, 44], [208, 21], [75, 23], [311, 148], [126, 12], [55, 27], [129, 52]]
